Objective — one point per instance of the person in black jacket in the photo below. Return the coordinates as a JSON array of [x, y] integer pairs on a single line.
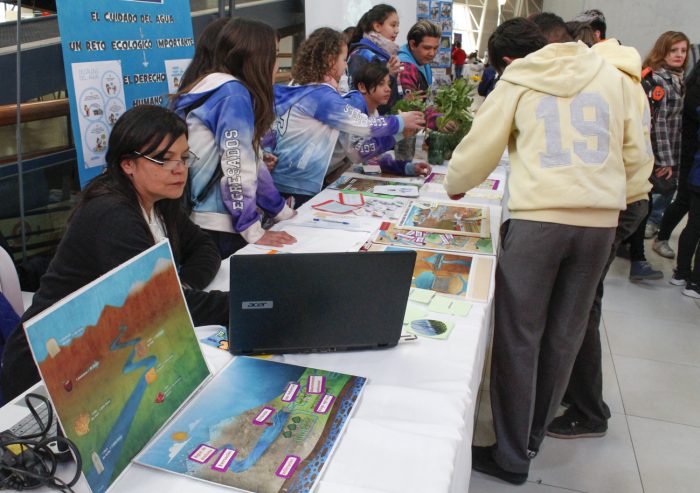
[[122, 212]]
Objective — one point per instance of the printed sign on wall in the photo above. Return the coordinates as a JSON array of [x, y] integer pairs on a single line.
[[119, 54], [439, 12]]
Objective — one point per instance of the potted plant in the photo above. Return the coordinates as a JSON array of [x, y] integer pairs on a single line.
[[454, 102]]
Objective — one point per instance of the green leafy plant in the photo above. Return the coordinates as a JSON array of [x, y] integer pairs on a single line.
[[414, 101], [454, 102]]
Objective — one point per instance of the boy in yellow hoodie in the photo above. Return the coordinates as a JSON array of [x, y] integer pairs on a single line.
[[587, 414], [571, 129]]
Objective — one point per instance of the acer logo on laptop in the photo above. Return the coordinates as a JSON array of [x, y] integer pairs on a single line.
[[257, 305]]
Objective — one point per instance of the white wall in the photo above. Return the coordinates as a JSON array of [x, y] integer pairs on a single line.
[[340, 14], [637, 23]]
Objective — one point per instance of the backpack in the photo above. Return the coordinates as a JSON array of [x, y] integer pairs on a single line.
[[655, 92]]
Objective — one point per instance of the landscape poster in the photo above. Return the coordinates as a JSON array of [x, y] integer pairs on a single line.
[[119, 357]]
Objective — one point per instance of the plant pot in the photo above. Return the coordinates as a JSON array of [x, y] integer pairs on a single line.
[[439, 147]]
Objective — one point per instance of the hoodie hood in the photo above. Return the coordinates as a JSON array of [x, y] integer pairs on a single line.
[[288, 96], [558, 69], [405, 56], [202, 89], [623, 58]]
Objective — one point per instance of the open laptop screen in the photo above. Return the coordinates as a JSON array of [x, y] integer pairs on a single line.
[[318, 301]]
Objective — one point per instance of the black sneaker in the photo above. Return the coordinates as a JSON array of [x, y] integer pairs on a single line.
[[567, 426], [692, 289], [482, 461], [678, 279]]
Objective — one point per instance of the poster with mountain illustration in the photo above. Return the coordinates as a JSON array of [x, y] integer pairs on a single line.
[[389, 234], [453, 218], [119, 357], [258, 426]]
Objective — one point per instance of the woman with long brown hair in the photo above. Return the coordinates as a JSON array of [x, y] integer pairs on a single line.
[[667, 61], [228, 110]]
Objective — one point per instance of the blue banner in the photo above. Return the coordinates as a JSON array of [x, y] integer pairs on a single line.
[[119, 54]]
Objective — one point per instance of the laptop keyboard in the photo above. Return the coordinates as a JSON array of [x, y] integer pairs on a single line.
[[29, 425]]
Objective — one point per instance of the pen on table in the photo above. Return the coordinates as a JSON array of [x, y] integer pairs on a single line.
[[330, 221]]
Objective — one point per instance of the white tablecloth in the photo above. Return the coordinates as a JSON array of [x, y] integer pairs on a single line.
[[413, 427]]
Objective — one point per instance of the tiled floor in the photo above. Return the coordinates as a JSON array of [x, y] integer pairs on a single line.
[[651, 370]]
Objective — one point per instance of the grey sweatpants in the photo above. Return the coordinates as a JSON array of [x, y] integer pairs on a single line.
[[546, 280]]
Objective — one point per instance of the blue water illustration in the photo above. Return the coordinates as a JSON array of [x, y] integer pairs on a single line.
[[426, 280], [111, 449], [266, 439]]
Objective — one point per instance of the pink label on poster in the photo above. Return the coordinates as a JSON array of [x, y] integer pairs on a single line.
[[316, 385], [202, 454], [291, 393], [495, 185], [288, 466], [224, 460], [263, 415], [324, 404]]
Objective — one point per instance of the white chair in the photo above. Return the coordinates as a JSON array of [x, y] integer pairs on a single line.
[[9, 282]]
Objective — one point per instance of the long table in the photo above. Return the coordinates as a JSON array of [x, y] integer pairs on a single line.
[[413, 427]]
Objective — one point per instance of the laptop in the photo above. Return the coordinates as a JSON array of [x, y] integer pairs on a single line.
[[318, 302]]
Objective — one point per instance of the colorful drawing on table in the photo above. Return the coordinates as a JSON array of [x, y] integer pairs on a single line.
[[359, 171], [461, 276], [119, 357], [258, 427], [436, 217], [436, 178], [219, 339], [333, 207], [365, 183], [433, 329], [490, 188], [389, 209], [389, 234]]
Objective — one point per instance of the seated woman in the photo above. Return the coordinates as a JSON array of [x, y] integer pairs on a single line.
[[124, 211]]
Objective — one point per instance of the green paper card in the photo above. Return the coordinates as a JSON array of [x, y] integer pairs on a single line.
[[421, 295], [413, 313]]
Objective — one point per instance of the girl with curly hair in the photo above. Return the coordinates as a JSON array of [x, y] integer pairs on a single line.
[[316, 128]]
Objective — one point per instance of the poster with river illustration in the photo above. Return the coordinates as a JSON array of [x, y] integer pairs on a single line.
[[258, 426], [119, 357]]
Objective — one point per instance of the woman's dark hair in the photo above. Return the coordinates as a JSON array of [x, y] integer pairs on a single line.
[[370, 75], [317, 55], [581, 31], [379, 13], [203, 59], [421, 29], [141, 129], [515, 38], [553, 27]]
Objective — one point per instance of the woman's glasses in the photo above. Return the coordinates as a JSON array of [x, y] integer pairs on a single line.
[[187, 160]]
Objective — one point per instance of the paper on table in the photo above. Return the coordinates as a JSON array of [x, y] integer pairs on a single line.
[[413, 313], [315, 240], [400, 190], [450, 306], [421, 295]]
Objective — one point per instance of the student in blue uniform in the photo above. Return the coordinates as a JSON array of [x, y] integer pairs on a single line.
[[228, 110], [373, 90], [374, 40], [312, 115]]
